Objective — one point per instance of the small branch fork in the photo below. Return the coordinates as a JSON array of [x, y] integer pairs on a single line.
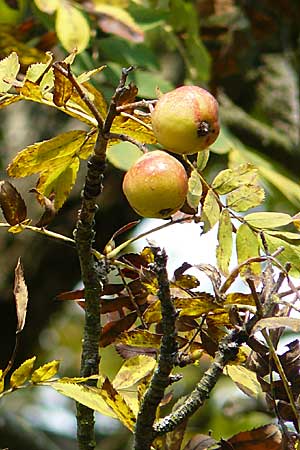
[[94, 278]]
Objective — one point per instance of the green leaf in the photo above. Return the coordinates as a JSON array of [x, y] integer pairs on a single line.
[[210, 211], [224, 248], [86, 395], [45, 372], [245, 379], [271, 171], [266, 220], [247, 246], [229, 179], [194, 189], [72, 28], [133, 370], [22, 373], [290, 254], [245, 197], [202, 159], [123, 155], [9, 69]]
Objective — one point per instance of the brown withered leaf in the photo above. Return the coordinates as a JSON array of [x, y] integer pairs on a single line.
[[112, 330], [48, 205], [128, 351], [63, 87], [128, 95], [180, 270], [200, 442], [267, 437], [12, 204], [21, 296], [290, 360]]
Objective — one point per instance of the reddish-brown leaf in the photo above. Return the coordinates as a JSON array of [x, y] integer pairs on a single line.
[[12, 204], [113, 329], [267, 437]]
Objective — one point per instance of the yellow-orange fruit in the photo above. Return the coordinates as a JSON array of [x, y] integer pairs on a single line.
[[156, 185], [186, 120]]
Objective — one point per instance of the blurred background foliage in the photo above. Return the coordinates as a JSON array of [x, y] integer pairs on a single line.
[[247, 53]]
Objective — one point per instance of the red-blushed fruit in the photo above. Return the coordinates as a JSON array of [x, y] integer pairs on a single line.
[[186, 120], [156, 185]]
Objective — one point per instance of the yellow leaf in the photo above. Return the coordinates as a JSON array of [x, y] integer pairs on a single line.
[[45, 372], [1, 381], [117, 20], [247, 246], [133, 370], [47, 6], [72, 28], [224, 248], [245, 197], [75, 107], [9, 68], [36, 70], [245, 379], [268, 219], [136, 130], [230, 179], [140, 338], [117, 403], [86, 395], [22, 373], [43, 155], [59, 180], [8, 99], [195, 189], [195, 306], [210, 211]]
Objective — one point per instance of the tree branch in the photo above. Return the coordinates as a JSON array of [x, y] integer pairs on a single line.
[[144, 434], [227, 351], [93, 276]]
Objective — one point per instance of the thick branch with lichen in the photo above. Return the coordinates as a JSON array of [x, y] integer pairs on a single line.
[[93, 276], [168, 354]]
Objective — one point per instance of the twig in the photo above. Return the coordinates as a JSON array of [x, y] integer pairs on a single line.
[[144, 434], [139, 104], [125, 138]]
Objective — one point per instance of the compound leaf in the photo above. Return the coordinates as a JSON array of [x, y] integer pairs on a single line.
[[45, 372]]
